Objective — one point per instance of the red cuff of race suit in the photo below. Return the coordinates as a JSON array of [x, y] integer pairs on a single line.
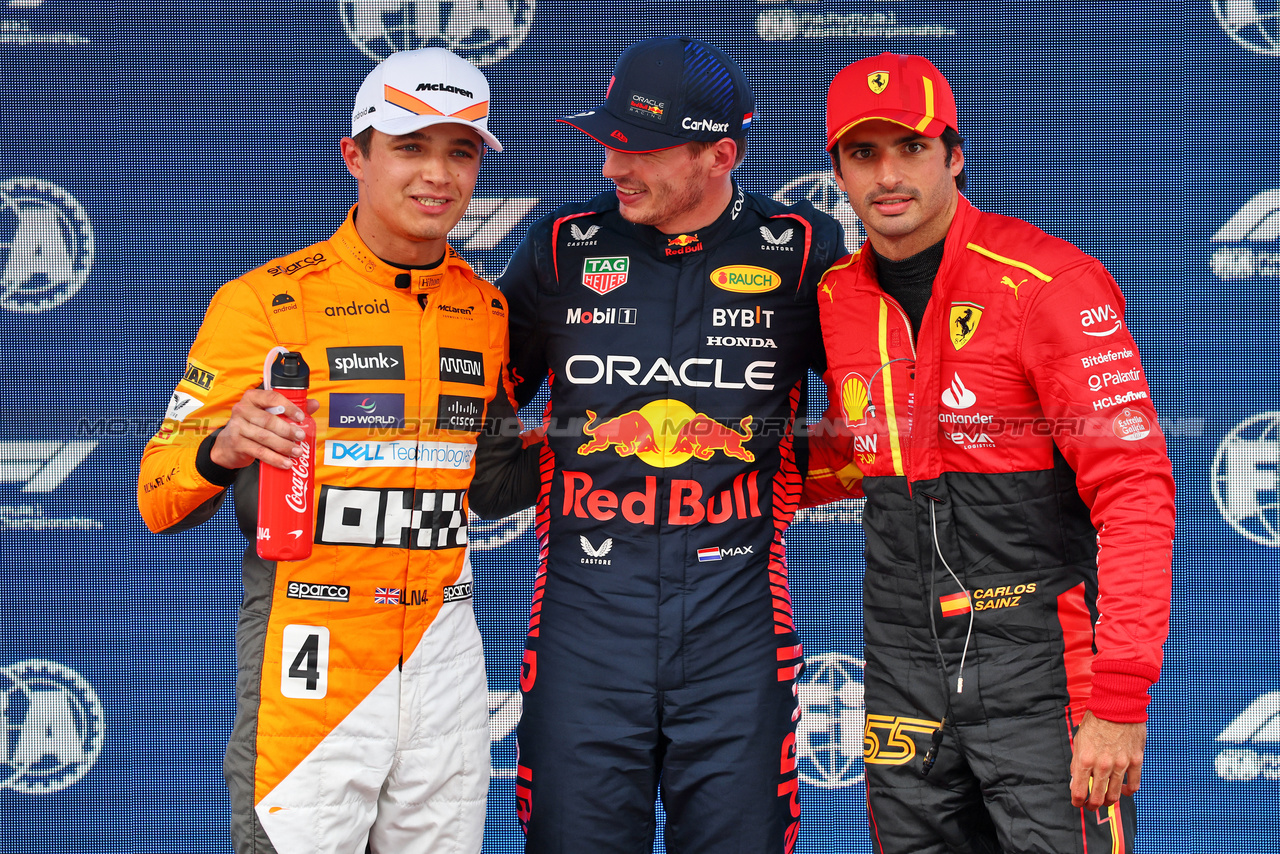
[[1119, 697]]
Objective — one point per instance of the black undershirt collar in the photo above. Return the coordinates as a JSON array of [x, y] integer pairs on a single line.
[[910, 281], [403, 280]]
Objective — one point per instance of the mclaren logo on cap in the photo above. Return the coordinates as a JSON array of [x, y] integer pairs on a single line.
[[444, 87], [422, 108], [878, 81]]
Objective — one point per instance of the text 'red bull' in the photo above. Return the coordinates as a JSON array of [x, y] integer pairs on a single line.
[[685, 505]]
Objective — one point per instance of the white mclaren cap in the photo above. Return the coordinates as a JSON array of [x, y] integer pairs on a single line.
[[414, 89]]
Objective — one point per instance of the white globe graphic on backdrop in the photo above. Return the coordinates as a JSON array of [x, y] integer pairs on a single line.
[[833, 715], [46, 245], [782, 25], [14, 704], [484, 535], [51, 727], [481, 31], [822, 191], [1253, 24], [1245, 481]]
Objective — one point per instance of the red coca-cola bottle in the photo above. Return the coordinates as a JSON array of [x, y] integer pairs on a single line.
[[286, 517]]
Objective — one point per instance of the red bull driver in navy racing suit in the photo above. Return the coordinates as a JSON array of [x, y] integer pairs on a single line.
[[677, 320]]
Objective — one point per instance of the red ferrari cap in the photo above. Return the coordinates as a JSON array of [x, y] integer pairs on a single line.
[[907, 90]]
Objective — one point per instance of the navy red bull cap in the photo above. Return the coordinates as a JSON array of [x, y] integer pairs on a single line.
[[900, 88], [666, 92]]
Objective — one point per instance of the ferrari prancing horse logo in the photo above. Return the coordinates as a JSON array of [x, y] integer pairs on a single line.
[[964, 322], [878, 81]]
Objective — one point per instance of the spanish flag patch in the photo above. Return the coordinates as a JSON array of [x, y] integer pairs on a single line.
[[955, 604]]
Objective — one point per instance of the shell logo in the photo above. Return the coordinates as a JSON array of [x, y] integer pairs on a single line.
[[745, 279], [854, 396]]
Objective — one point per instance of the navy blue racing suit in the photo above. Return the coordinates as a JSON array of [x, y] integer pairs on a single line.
[[661, 646]]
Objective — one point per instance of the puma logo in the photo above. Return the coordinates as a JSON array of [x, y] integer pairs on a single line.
[[1008, 281]]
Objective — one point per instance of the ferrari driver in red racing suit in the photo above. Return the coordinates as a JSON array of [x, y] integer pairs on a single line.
[[988, 400]]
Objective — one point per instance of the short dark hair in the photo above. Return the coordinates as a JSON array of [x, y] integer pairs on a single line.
[[951, 138], [698, 146], [363, 140]]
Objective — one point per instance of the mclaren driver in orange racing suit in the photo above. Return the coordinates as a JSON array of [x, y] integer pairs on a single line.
[[362, 719]]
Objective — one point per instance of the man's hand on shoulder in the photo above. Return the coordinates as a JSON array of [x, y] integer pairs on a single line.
[[254, 433], [1109, 755]]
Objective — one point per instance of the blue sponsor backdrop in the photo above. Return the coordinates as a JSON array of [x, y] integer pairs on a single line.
[[155, 150]]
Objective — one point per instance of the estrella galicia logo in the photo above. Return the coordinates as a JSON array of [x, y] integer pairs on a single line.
[[461, 366], [459, 413], [366, 363], [51, 727], [366, 411], [46, 245]]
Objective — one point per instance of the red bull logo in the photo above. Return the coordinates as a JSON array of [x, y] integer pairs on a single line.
[[666, 433], [684, 244], [627, 434], [703, 436]]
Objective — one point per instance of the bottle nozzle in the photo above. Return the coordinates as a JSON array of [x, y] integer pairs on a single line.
[[289, 370]]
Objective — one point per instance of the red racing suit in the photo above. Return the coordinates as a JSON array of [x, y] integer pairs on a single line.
[[1019, 518]]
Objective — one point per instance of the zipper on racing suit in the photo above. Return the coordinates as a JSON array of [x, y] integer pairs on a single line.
[[890, 405]]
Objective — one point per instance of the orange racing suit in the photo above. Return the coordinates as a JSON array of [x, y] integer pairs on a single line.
[[361, 697]]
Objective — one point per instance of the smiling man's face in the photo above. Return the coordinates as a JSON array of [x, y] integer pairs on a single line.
[[413, 189]]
